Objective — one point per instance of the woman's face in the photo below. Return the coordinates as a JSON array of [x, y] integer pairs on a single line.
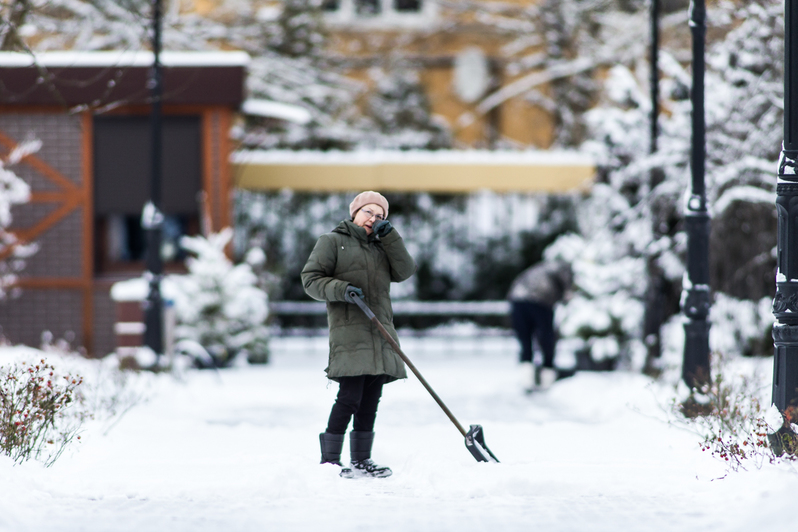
[[368, 215]]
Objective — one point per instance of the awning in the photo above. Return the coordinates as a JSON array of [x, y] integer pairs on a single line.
[[278, 110], [413, 171]]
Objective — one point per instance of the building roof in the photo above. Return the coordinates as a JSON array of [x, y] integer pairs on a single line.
[[100, 79]]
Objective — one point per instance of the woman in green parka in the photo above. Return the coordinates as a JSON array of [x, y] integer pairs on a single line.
[[359, 258]]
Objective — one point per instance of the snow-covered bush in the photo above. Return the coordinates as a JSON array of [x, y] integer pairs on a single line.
[[41, 411], [13, 191], [219, 305]]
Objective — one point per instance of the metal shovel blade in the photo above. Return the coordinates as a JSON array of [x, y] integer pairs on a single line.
[[475, 442]]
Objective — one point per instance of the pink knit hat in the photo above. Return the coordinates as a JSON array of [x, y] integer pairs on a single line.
[[364, 198]]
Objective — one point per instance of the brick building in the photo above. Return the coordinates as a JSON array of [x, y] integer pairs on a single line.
[[91, 178]]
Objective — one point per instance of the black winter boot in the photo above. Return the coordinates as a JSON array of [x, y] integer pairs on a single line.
[[331, 447], [360, 443]]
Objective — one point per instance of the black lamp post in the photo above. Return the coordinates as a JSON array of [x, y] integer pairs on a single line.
[[151, 217], [785, 304], [652, 317], [695, 295], [654, 74]]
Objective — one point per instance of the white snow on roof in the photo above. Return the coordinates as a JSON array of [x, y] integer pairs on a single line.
[[138, 58], [364, 157], [283, 111]]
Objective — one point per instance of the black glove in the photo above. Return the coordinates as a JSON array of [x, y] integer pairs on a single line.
[[351, 293], [382, 228]]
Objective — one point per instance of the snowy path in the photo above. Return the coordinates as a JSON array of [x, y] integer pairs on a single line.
[[240, 453]]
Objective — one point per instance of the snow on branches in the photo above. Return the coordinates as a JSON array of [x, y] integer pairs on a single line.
[[631, 239], [13, 191]]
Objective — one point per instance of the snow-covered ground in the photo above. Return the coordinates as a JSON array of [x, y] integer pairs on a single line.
[[238, 451]]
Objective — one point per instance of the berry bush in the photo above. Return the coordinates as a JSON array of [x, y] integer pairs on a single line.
[[41, 412], [728, 415]]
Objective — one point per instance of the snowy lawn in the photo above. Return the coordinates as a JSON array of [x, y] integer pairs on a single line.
[[239, 451]]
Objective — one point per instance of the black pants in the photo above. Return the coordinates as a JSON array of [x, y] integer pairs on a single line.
[[359, 397], [533, 319]]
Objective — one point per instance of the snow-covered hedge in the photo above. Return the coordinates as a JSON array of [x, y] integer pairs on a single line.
[[468, 247]]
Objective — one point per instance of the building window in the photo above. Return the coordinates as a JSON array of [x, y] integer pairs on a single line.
[[404, 6], [368, 7], [122, 184], [369, 14]]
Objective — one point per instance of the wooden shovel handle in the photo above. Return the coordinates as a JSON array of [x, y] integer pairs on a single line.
[[360, 303]]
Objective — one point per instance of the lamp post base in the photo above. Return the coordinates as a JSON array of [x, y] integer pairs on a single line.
[[695, 369], [785, 367], [153, 318]]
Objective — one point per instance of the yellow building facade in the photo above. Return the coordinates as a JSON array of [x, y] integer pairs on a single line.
[[460, 52]]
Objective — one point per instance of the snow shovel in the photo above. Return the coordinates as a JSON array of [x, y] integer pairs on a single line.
[[474, 437]]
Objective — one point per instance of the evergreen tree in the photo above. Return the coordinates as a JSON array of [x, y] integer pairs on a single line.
[[219, 305], [744, 138], [571, 96], [299, 32], [401, 111]]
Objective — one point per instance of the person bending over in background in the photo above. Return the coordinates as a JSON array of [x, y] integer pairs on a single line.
[[532, 296], [359, 258]]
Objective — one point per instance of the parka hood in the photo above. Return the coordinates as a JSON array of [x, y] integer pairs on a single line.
[[348, 227]]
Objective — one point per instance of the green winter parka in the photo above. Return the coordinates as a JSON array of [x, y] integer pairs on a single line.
[[347, 256]]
